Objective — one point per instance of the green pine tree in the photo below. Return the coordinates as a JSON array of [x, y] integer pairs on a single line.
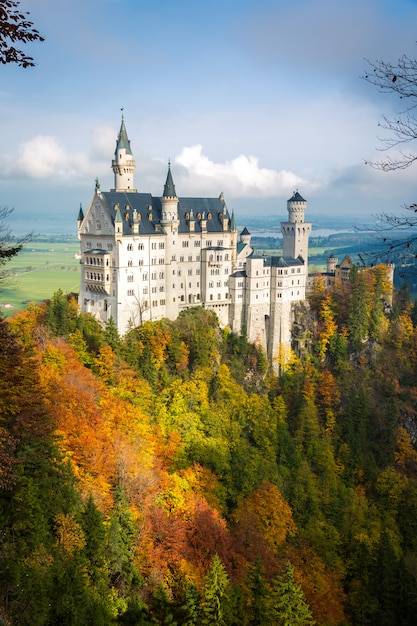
[[287, 605], [216, 584]]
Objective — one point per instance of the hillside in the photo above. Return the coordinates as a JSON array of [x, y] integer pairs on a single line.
[[171, 477]]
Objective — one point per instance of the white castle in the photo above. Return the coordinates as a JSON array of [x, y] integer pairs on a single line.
[[147, 258]]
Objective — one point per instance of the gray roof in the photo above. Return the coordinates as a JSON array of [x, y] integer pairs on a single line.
[[296, 197], [211, 209], [122, 138], [286, 261]]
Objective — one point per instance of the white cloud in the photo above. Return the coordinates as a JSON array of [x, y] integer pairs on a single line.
[[44, 157], [240, 176]]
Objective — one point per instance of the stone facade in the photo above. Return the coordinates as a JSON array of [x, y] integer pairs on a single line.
[[146, 258]]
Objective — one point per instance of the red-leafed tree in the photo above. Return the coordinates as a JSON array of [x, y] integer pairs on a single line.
[[16, 27]]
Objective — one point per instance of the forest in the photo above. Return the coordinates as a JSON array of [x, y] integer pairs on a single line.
[[173, 476]]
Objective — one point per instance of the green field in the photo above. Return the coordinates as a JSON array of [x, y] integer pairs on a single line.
[[39, 270]]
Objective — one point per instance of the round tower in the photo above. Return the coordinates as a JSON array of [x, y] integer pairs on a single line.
[[331, 263], [123, 163], [169, 201], [295, 232], [296, 207]]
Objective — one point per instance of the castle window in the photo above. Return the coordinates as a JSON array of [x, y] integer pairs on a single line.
[[197, 271], [154, 302], [161, 288], [130, 292], [226, 270], [197, 258], [161, 274], [182, 298], [298, 270], [190, 258], [190, 272], [141, 246], [279, 295], [218, 284], [280, 272], [130, 278], [162, 302], [98, 225], [181, 259], [153, 246], [153, 262], [197, 243], [211, 296], [154, 289], [226, 257], [162, 246], [140, 262], [129, 263], [145, 304], [161, 261], [153, 275], [145, 290], [189, 285], [211, 284], [220, 243], [129, 247], [219, 296], [145, 276], [185, 244]]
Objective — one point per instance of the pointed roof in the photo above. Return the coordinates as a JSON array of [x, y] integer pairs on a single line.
[[245, 231], [80, 213], [122, 138], [118, 216], [169, 188], [232, 221], [296, 197]]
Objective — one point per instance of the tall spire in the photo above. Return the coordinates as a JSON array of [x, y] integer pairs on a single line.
[[169, 187], [122, 139], [123, 163]]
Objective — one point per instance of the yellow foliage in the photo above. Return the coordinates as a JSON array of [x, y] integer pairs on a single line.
[[69, 534]]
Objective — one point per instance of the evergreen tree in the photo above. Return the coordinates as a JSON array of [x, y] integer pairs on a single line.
[[191, 608], [111, 335], [215, 594], [257, 609], [287, 605]]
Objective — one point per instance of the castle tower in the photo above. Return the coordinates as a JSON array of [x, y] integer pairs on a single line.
[[123, 163], [170, 223], [296, 232], [331, 263]]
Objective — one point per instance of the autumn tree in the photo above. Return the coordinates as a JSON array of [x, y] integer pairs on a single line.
[[16, 27]]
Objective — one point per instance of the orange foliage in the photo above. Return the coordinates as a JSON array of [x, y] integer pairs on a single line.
[[263, 523], [321, 585]]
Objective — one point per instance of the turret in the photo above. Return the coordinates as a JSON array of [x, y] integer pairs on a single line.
[[331, 263], [295, 232], [169, 200], [80, 215], [123, 163]]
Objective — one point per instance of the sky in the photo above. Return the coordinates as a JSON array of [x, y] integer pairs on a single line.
[[254, 99]]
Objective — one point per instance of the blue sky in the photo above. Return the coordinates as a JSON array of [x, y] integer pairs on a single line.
[[254, 99]]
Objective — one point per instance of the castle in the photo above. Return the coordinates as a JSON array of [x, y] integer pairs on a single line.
[[147, 258]]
